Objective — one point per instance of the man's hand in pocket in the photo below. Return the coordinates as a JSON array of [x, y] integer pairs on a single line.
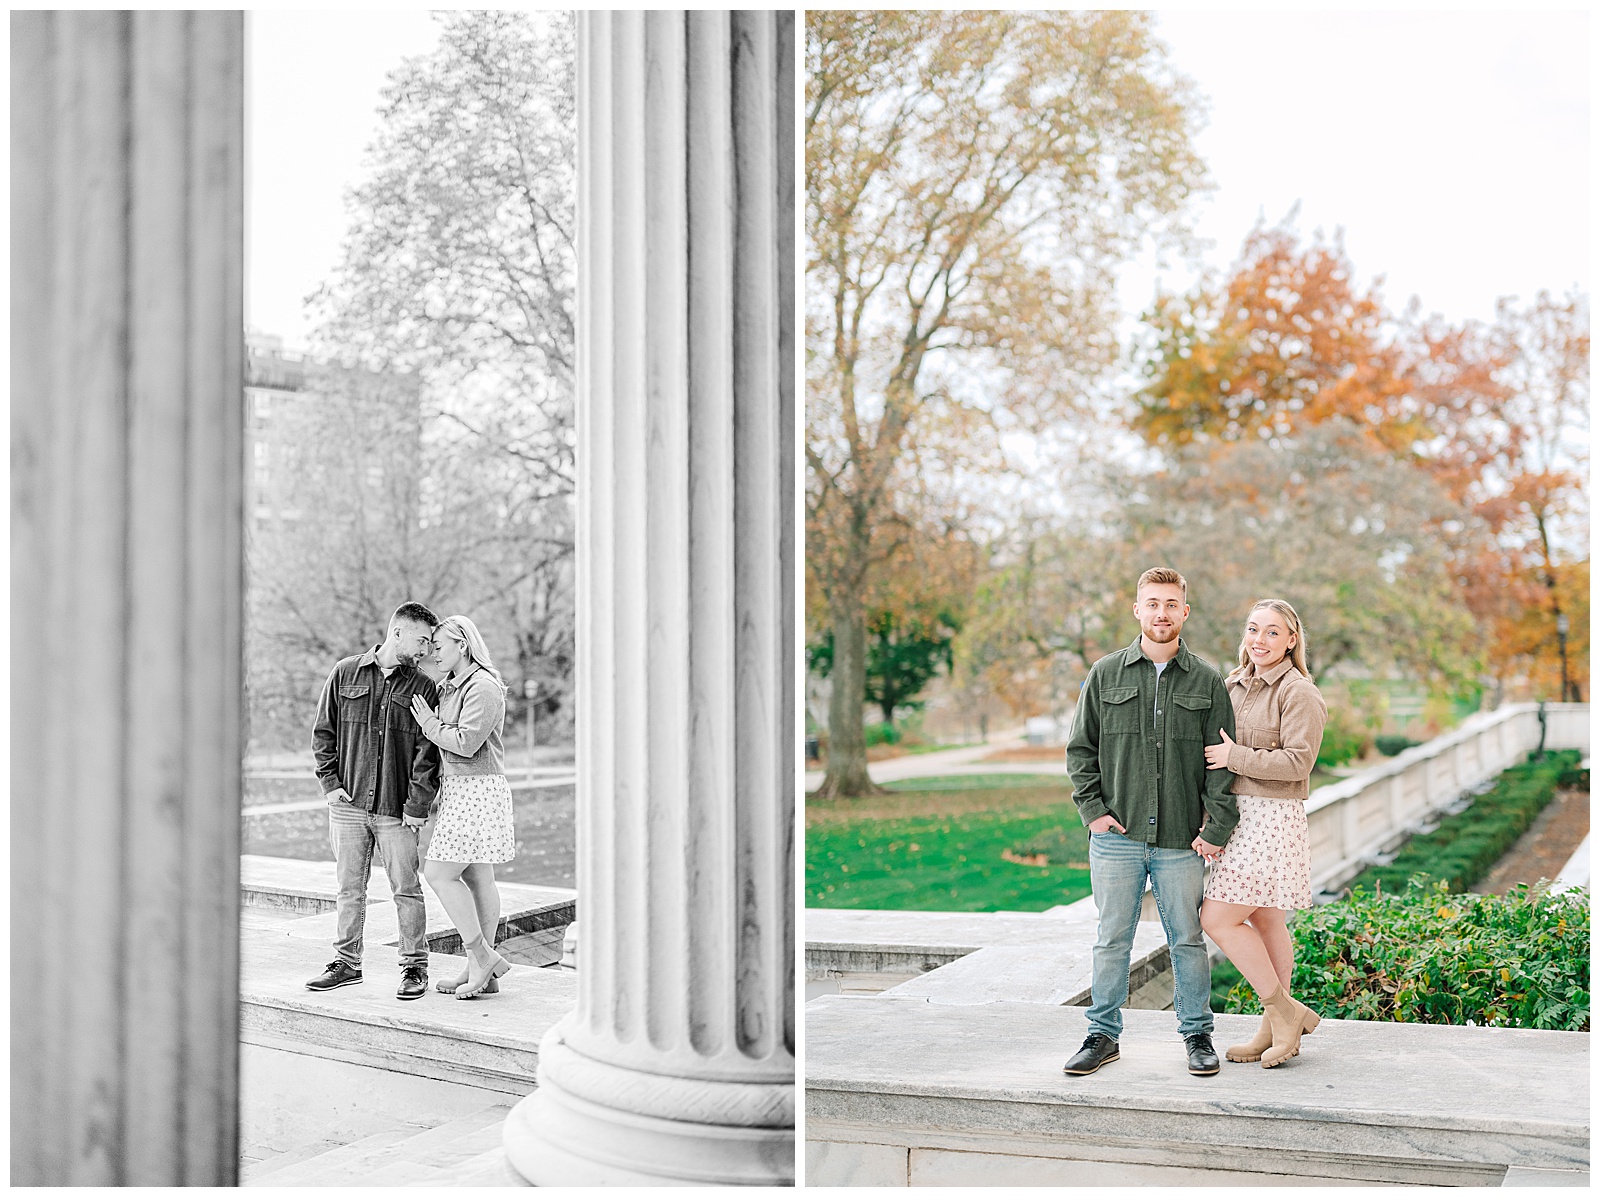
[[337, 794]]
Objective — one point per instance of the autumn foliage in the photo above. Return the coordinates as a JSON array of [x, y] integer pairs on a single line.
[[1494, 415]]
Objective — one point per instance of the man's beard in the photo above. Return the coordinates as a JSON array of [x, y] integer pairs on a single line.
[[1162, 635]]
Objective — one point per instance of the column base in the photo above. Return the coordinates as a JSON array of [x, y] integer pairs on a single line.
[[555, 1137]]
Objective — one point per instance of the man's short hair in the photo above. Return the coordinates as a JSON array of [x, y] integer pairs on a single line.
[[414, 613], [1162, 576]]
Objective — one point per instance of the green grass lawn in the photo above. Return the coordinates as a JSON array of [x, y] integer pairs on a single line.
[[949, 855]]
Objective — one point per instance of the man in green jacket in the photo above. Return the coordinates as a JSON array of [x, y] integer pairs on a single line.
[[1137, 761]]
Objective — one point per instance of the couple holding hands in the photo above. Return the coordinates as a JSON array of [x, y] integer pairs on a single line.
[[1176, 768], [384, 734]]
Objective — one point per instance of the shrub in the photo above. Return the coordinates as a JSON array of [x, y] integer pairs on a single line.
[[1573, 779], [1427, 955], [1394, 745], [880, 733], [1464, 847], [1344, 738]]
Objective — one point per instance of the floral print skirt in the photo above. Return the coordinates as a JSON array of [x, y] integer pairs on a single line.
[[1267, 861], [474, 825]]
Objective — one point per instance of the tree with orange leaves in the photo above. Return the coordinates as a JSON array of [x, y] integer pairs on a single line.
[[1498, 415], [1288, 342]]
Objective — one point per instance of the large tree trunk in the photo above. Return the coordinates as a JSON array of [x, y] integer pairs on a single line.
[[847, 746]]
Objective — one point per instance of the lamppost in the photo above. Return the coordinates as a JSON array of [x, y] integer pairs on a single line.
[[530, 691], [1562, 627]]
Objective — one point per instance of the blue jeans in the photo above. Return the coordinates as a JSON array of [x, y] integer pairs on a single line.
[[353, 834], [1117, 869]]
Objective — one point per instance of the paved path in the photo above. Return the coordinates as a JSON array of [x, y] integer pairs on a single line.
[[947, 761], [557, 778], [1545, 848]]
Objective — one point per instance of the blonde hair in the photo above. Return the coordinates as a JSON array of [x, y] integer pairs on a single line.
[[465, 633], [1297, 655], [1161, 576]]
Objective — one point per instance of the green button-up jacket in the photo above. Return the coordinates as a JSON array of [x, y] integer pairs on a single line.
[[1137, 750]]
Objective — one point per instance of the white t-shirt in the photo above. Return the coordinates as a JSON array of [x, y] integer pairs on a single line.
[[1155, 707]]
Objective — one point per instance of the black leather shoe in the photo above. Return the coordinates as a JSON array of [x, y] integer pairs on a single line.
[[413, 983], [1202, 1056], [336, 974], [1097, 1049]]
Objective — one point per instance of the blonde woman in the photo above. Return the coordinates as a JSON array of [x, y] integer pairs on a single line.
[[1265, 870], [474, 831]]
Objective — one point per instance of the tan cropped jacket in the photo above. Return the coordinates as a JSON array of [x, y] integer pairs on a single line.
[[1279, 716]]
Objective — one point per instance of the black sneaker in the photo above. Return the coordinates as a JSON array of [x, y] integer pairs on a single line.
[[1097, 1049], [413, 983], [1202, 1056], [338, 973]]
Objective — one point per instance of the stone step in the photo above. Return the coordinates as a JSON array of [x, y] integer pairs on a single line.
[[490, 1042], [298, 886], [437, 1155], [901, 1091], [310, 888], [252, 1170], [1056, 974], [344, 1165], [460, 1151], [491, 1170], [915, 941]]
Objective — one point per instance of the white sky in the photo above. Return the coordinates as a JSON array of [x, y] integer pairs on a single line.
[[1453, 148], [311, 105]]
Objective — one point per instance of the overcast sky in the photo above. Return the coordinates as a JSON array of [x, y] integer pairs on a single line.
[[1452, 148], [311, 105]]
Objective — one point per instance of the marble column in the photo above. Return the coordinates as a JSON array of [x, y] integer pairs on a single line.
[[678, 1064], [127, 468]]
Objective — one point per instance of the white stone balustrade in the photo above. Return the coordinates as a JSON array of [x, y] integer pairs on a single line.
[[1352, 820]]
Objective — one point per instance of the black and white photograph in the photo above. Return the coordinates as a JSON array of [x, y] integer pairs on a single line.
[[403, 584]]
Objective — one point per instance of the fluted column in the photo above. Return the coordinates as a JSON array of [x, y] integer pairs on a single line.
[[127, 593], [678, 1064]]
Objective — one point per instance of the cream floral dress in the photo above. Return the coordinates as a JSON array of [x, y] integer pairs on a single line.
[[1280, 717], [1268, 858], [475, 824]]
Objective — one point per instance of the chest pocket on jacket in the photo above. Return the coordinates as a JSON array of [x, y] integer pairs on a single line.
[[355, 701], [398, 715], [1189, 712], [1119, 714]]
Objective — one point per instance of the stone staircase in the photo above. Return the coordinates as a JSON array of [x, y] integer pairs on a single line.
[[354, 1087], [463, 1152]]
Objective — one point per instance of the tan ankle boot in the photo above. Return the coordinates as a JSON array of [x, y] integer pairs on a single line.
[[1245, 1053], [1289, 1019]]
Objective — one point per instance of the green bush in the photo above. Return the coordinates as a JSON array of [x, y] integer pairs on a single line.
[[1464, 847], [1223, 979], [1394, 745], [1573, 779], [880, 733], [1427, 955], [1344, 738]]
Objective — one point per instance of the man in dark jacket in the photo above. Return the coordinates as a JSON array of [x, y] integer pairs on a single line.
[[1137, 761], [379, 774]]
